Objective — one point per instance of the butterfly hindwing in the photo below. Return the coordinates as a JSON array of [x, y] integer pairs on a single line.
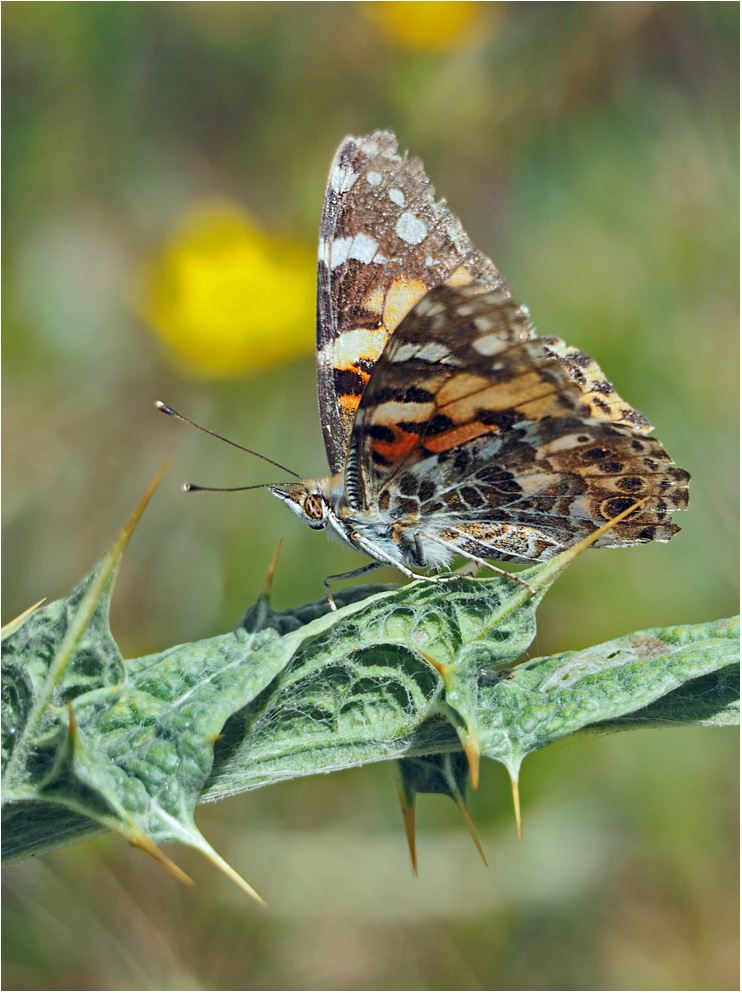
[[499, 443]]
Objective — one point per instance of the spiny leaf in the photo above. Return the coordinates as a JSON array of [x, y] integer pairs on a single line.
[[545, 699], [114, 757], [358, 688]]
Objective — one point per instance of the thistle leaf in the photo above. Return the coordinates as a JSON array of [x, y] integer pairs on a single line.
[[92, 741]]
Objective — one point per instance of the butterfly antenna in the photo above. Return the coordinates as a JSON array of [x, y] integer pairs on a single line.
[[195, 488], [174, 413]]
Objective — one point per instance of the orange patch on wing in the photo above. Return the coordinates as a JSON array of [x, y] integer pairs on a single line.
[[402, 445], [539, 408], [400, 298], [526, 388], [460, 387], [459, 277], [458, 436], [374, 300], [349, 403]]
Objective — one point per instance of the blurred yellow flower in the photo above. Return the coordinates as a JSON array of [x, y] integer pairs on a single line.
[[227, 296], [435, 26]]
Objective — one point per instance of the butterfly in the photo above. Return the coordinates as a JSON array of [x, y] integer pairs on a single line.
[[451, 428]]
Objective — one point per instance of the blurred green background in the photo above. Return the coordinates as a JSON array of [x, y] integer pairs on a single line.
[[164, 171]]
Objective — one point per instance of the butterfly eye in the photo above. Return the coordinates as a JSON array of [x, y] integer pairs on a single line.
[[313, 507]]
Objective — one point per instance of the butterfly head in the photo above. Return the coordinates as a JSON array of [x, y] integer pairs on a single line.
[[307, 500]]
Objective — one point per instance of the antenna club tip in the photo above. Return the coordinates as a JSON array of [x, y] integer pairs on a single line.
[[164, 407], [187, 487]]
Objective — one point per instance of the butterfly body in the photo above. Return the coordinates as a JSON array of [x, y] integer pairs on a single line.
[[451, 428], [398, 541]]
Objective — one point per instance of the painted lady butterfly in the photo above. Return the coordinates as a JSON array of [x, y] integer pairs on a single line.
[[450, 427]]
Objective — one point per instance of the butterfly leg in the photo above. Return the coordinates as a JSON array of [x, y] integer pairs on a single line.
[[353, 574], [384, 559], [475, 560], [430, 579], [469, 568]]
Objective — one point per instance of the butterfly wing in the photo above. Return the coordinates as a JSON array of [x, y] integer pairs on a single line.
[[384, 243], [501, 444]]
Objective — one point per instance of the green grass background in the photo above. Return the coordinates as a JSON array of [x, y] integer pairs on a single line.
[[592, 151]]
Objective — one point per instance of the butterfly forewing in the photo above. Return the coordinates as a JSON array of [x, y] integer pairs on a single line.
[[384, 243]]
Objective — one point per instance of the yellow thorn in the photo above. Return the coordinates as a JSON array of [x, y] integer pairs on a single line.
[[11, 625], [72, 726], [472, 831], [408, 816], [140, 840], [516, 805], [271, 569], [440, 667], [227, 869], [136, 514], [471, 750]]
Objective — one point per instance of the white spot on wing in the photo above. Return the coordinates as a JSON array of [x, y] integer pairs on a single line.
[[397, 196], [364, 343], [410, 228], [433, 352], [537, 481], [403, 353], [393, 411], [374, 178], [364, 248], [489, 345], [337, 251], [342, 178], [428, 307], [359, 247], [565, 443]]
